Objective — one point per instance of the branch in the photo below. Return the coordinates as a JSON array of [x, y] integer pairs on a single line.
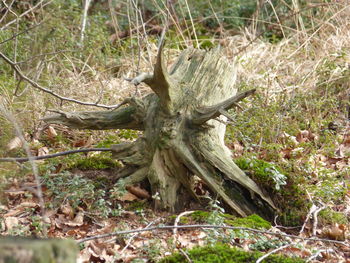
[[272, 252], [207, 113], [212, 227], [129, 117], [20, 33], [34, 158], [38, 86], [41, 4]]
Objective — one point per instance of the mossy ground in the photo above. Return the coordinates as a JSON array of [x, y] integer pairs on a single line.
[[220, 253]]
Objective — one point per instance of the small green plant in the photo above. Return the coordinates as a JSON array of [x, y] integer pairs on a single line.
[[262, 171], [78, 191]]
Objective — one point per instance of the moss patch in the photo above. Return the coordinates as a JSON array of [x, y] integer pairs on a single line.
[[94, 162], [225, 254], [252, 221]]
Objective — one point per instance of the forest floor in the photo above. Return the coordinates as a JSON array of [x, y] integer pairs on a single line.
[[294, 132]]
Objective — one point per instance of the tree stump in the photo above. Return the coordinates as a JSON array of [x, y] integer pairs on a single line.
[[183, 133]]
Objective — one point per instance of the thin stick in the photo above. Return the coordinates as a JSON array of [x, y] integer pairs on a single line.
[[34, 158], [213, 227], [38, 86], [272, 252], [26, 12], [39, 192], [134, 235], [83, 23], [177, 220]]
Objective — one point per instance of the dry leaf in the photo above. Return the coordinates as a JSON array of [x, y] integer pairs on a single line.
[[139, 192], [67, 210], [11, 222], [51, 132], [77, 221], [127, 197], [43, 151], [15, 143], [335, 232]]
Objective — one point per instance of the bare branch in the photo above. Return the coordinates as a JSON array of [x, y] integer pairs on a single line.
[[205, 114], [272, 252], [8, 115], [20, 33], [83, 23], [35, 158], [26, 12], [212, 227], [38, 86]]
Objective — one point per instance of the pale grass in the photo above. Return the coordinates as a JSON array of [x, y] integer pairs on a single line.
[[288, 66]]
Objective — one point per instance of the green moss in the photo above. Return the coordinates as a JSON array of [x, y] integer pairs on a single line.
[[331, 217], [252, 221], [200, 216], [263, 172], [137, 205], [94, 162], [220, 253]]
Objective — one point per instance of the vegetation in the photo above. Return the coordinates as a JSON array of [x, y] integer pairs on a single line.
[[291, 137], [223, 253]]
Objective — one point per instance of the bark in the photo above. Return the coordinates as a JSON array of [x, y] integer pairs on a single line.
[[183, 134]]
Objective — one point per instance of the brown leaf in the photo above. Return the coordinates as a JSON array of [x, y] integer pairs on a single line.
[[51, 132], [335, 232], [15, 143], [77, 221], [85, 142], [139, 192], [67, 210], [43, 151], [127, 197]]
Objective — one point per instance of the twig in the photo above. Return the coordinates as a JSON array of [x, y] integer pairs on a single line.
[[7, 114], [34, 158], [272, 252], [38, 86], [177, 220], [134, 235], [210, 226], [83, 23], [26, 12], [314, 256], [314, 216], [185, 255], [20, 33]]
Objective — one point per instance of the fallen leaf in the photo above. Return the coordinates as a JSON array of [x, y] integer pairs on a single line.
[[77, 221], [15, 143], [11, 222], [51, 132], [67, 210], [127, 196], [43, 151], [335, 232]]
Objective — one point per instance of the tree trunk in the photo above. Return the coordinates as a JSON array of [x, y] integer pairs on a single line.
[[183, 133]]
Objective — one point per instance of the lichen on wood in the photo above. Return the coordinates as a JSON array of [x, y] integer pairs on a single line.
[[182, 133]]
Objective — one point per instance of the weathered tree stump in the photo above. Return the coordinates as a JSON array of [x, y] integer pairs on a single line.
[[31, 250], [182, 133]]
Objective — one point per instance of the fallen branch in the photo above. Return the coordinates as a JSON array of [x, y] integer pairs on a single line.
[[214, 227], [272, 252], [38, 86], [34, 158]]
